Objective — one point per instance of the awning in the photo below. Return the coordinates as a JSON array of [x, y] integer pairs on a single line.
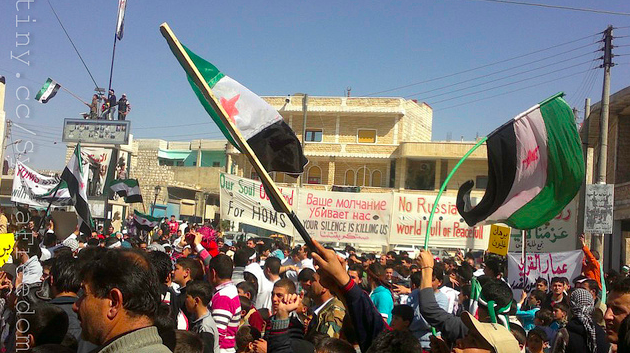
[[173, 154]]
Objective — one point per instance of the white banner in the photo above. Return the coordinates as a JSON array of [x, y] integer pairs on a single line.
[[98, 162], [546, 265], [559, 234], [30, 187], [449, 230], [348, 217], [244, 200]]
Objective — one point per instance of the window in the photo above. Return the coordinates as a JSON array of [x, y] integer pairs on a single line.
[[363, 177], [179, 163], [279, 177], [376, 178], [443, 172], [216, 164], [254, 176], [314, 136], [366, 136], [481, 182], [349, 177], [420, 175], [314, 175]]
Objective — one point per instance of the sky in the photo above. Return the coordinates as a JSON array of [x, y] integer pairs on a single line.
[[476, 63]]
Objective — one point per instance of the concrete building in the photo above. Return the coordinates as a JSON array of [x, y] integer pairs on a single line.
[[375, 143], [617, 171], [187, 173]]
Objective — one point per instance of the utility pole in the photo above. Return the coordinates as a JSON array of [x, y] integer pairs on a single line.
[[582, 195], [597, 241]]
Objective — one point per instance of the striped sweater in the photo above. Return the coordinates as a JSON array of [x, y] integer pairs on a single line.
[[226, 312]]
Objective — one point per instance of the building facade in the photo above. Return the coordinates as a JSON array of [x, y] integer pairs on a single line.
[[377, 144]]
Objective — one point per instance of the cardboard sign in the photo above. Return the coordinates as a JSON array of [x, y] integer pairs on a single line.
[[499, 240], [7, 240]]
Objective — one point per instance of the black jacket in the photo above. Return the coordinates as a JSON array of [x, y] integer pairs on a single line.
[[577, 338]]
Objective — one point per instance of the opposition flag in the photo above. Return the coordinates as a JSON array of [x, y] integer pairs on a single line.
[[127, 188], [535, 168], [75, 176], [144, 221], [273, 141], [120, 24], [48, 90]]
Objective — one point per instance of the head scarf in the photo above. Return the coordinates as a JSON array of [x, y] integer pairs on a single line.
[[582, 306]]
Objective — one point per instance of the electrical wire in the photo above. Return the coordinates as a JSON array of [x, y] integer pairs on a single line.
[[509, 69], [512, 91], [558, 7], [71, 42], [482, 66], [508, 84]]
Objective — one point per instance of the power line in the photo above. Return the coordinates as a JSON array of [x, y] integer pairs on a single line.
[[559, 7], [504, 70], [482, 66], [499, 86], [71, 42], [512, 91]]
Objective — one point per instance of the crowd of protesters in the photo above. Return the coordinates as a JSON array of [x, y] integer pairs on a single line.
[[182, 288]]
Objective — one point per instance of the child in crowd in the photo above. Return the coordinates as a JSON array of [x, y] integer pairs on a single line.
[[198, 296], [537, 340], [536, 298], [402, 315], [245, 338], [560, 316], [249, 314]]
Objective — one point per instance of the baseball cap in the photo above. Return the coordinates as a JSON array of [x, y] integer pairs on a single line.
[[496, 335]]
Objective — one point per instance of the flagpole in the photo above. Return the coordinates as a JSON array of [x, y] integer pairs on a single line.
[[41, 223], [74, 95], [523, 254], [274, 194], [448, 178], [111, 69]]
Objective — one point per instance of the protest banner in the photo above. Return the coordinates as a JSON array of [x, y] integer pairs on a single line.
[[34, 189], [545, 265], [362, 218], [98, 160], [245, 200], [559, 234], [598, 214], [499, 239], [7, 240], [410, 219]]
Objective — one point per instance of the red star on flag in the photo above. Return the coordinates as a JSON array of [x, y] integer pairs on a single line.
[[532, 156], [230, 106]]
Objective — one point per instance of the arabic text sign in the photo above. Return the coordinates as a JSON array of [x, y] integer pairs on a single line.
[[546, 265], [559, 234], [598, 214], [245, 200], [499, 239], [345, 216], [30, 187], [449, 230], [7, 241]]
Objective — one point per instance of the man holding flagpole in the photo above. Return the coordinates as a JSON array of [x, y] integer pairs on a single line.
[[75, 176]]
